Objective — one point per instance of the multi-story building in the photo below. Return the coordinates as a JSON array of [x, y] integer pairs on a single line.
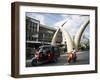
[[32, 29], [38, 34]]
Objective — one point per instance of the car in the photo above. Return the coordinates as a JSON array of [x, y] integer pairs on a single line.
[[46, 53]]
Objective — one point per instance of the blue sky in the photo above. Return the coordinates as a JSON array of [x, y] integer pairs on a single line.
[[55, 20]]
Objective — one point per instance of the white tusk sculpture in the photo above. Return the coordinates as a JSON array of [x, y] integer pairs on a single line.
[[53, 42], [68, 40], [79, 33], [71, 43], [54, 39]]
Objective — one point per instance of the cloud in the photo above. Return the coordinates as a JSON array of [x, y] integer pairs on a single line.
[[55, 20], [37, 16], [40, 18], [60, 22], [64, 19], [73, 23]]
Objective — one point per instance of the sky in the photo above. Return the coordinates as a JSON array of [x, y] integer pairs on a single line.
[[74, 21]]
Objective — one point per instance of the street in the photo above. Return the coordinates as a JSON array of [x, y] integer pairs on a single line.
[[82, 58]]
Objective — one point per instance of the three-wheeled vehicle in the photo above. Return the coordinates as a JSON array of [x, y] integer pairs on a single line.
[[46, 53]]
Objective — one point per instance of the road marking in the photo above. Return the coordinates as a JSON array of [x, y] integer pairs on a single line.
[[66, 64]]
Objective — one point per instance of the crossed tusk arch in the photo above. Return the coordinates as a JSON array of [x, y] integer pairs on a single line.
[[70, 43]]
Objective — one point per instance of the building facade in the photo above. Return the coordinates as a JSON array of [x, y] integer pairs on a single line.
[[38, 34], [32, 29]]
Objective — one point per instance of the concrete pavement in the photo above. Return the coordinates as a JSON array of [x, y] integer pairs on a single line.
[[82, 58]]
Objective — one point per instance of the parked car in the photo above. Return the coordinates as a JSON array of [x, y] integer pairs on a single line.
[[46, 53]]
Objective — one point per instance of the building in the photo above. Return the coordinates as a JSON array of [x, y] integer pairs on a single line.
[[38, 34], [46, 34], [32, 29]]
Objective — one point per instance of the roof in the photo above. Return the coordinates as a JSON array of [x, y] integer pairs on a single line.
[[49, 46], [32, 19], [48, 27], [42, 25]]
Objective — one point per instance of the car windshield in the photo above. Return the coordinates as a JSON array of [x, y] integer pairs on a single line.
[[43, 49], [39, 49], [46, 48]]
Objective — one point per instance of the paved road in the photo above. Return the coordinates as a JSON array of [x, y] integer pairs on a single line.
[[82, 58]]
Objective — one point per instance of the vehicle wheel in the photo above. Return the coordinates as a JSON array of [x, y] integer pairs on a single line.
[[55, 60], [34, 62], [75, 59], [69, 60]]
